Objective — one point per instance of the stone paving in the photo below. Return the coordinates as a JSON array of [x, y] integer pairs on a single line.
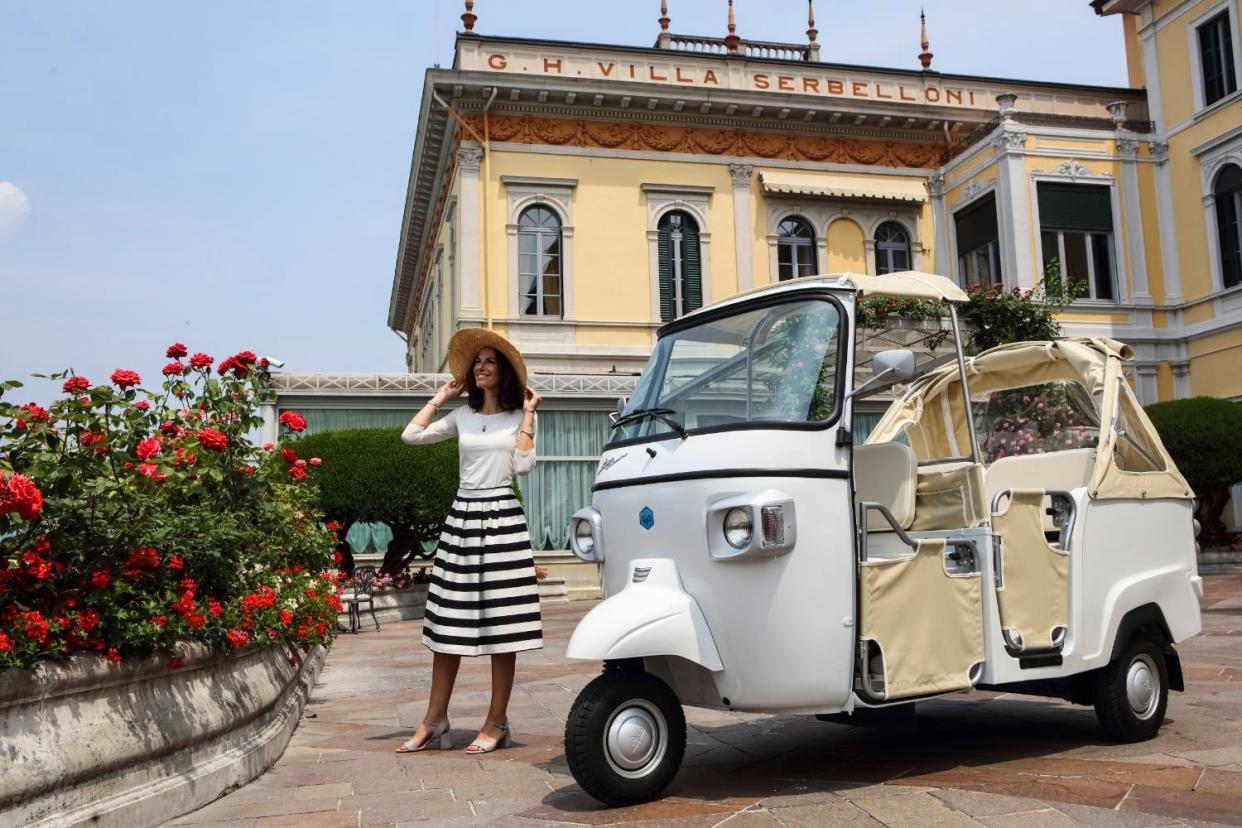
[[973, 759]]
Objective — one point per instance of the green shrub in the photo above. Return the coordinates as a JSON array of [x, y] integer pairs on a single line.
[[1000, 316], [1204, 437], [368, 474]]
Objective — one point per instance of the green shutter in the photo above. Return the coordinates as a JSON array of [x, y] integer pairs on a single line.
[[692, 268], [976, 225], [1087, 207], [664, 250]]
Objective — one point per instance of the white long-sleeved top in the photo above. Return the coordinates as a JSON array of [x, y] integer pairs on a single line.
[[487, 452]]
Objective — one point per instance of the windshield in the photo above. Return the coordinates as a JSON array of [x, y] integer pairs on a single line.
[[770, 365]]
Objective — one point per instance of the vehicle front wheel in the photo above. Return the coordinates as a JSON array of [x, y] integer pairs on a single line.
[[1132, 692], [625, 737]]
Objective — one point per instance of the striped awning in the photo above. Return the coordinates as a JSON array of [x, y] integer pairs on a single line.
[[844, 185]]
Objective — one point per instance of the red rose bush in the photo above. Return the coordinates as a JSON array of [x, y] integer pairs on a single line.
[[131, 519]]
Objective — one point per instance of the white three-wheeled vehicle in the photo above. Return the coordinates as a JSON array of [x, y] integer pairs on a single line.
[[1013, 522]]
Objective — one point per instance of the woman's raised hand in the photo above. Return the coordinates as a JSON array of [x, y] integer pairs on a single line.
[[451, 390], [531, 400]]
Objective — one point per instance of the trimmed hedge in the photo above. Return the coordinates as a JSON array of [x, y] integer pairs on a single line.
[[368, 474], [1204, 437]]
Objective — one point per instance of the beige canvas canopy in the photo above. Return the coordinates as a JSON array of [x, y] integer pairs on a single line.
[[1130, 460], [905, 284]]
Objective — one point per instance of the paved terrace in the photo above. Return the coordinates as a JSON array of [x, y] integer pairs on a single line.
[[976, 759]]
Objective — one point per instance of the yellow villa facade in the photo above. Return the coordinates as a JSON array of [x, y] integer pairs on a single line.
[[576, 196]]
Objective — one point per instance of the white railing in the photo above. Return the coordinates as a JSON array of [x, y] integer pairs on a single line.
[[560, 385]]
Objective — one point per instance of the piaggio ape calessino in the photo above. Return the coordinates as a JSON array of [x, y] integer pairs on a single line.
[[1012, 522]]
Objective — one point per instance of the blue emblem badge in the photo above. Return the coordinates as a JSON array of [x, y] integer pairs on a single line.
[[646, 518]]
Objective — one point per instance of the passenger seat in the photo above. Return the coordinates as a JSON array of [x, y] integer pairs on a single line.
[[886, 473]]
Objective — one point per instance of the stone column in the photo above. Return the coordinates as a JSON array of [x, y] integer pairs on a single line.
[[1013, 202], [1181, 379], [940, 227], [744, 255], [1168, 234], [1127, 149], [470, 236], [270, 430], [1146, 385]]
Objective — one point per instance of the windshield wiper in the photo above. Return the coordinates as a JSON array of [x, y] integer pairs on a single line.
[[661, 414]]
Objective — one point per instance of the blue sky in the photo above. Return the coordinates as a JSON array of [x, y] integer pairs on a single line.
[[232, 174]]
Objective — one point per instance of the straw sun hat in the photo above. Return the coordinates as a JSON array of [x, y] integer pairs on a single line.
[[466, 344]]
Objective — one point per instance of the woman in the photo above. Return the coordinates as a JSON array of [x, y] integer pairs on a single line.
[[483, 599]]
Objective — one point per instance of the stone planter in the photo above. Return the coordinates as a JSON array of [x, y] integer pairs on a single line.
[[138, 744], [393, 605]]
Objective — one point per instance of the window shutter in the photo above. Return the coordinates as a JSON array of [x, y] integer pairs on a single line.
[[693, 268], [976, 225], [1075, 207], [664, 250]]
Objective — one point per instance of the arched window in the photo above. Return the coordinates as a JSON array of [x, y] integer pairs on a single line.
[[539, 261], [681, 265], [795, 249], [1228, 193], [892, 248]]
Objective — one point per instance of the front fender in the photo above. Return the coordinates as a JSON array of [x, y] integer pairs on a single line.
[[651, 616]]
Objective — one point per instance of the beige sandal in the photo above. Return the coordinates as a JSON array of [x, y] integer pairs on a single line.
[[439, 730], [505, 740]]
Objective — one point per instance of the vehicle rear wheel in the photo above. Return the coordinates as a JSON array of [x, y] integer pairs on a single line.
[[1132, 692], [625, 737]]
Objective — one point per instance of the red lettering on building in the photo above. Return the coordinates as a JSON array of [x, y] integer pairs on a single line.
[[631, 70], [859, 89], [651, 71], [605, 70], [549, 64], [682, 78], [952, 96], [710, 77], [761, 82], [497, 61], [835, 87], [810, 85], [784, 83], [972, 98], [879, 93], [932, 94], [901, 91]]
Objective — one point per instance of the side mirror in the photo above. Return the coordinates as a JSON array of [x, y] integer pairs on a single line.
[[893, 366], [887, 369], [622, 402]]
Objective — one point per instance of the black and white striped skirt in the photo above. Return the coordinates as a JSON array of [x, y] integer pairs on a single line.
[[483, 597]]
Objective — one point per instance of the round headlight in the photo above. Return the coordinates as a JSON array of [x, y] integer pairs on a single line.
[[584, 538], [738, 528]]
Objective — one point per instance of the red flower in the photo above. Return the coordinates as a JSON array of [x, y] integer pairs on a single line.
[[238, 638], [6, 644], [34, 414], [301, 464], [315, 461], [212, 440], [152, 471], [337, 557], [214, 608], [297, 473], [114, 656], [76, 384], [189, 584], [290, 456], [247, 469], [174, 369], [176, 662], [239, 368], [148, 448], [124, 379], [36, 626], [143, 556], [269, 446], [196, 620], [200, 360], [142, 405], [245, 357], [176, 351], [87, 620], [321, 628], [100, 579], [175, 563], [333, 526], [21, 496], [40, 569], [286, 617], [295, 421], [159, 621]]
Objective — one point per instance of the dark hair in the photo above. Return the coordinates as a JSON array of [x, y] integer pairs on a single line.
[[509, 393]]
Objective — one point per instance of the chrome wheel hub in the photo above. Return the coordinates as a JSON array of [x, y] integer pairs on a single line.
[[1143, 687], [635, 739]]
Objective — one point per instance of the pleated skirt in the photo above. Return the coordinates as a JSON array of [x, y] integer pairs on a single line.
[[483, 598]]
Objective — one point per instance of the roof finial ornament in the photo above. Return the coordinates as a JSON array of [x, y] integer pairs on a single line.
[[812, 45], [468, 16], [731, 39], [925, 57], [664, 21]]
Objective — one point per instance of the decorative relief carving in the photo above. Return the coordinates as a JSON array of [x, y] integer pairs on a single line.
[[469, 156], [659, 138], [935, 185], [1159, 150], [1011, 140], [741, 173], [1075, 169], [973, 189], [1127, 147]]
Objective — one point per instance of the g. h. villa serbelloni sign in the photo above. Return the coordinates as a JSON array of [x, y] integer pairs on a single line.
[[680, 70]]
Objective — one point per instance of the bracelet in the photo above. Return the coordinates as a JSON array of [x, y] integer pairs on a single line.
[[433, 404], [530, 434]]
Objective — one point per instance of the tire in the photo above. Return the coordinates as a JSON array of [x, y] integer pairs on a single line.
[[1131, 694], [621, 709]]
